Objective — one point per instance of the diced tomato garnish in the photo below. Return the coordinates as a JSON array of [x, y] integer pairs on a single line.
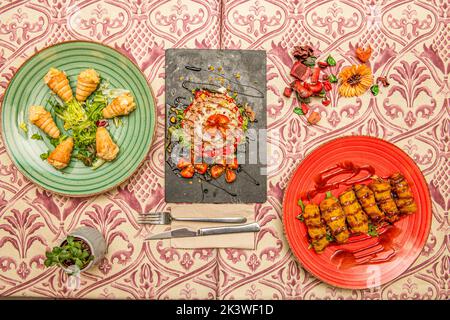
[[287, 92], [188, 172], [315, 75], [230, 176], [315, 88], [183, 163], [234, 165], [217, 171], [201, 168], [327, 85], [304, 108], [302, 91]]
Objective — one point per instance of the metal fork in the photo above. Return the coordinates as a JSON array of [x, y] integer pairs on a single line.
[[167, 218]]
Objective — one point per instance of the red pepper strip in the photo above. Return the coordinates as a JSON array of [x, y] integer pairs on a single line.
[[287, 92], [327, 85], [315, 88], [315, 75], [304, 108], [302, 91]]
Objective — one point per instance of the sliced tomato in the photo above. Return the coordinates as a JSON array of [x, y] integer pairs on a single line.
[[234, 165], [201, 168], [183, 163], [188, 172], [217, 171], [230, 176]]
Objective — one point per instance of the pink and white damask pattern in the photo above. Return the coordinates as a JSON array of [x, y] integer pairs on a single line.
[[411, 47]]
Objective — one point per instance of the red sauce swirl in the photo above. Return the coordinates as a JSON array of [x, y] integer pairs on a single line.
[[348, 169]]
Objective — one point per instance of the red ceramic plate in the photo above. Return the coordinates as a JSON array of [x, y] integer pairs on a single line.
[[364, 261]]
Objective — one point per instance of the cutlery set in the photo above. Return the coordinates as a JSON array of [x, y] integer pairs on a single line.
[[165, 218]]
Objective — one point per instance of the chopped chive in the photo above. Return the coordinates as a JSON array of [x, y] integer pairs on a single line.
[[301, 204], [36, 136]]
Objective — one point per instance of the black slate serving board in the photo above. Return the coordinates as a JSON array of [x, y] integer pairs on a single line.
[[187, 69]]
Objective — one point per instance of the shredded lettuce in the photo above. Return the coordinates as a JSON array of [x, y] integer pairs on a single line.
[[74, 116], [97, 163], [95, 105], [117, 121], [114, 93]]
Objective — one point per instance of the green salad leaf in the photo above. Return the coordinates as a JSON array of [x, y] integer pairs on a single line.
[[44, 155]]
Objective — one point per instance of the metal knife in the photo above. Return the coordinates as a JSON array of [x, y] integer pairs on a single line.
[[187, 232]]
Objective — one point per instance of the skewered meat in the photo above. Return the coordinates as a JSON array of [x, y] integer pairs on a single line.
[[316, 228], [60, 156], [57, 81], [404, 197], [87, 82], [356, 218], [334, 216], [382, 191], [367, 200], [43, 119]]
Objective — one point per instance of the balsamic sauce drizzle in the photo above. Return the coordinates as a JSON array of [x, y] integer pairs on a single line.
[[217, 186], [250, 178], [258, 93]]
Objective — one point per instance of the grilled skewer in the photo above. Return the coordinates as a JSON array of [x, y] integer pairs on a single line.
[[356, 218], [404, 197], [382, 191], [316, 228], [334, 216]]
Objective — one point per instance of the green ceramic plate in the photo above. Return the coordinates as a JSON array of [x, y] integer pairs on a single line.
[[27, 88]]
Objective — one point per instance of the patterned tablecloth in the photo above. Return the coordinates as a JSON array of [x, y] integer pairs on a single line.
[[411, 47]]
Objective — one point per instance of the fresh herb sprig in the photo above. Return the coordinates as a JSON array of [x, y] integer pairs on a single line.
[[302, 205], [372, 231]]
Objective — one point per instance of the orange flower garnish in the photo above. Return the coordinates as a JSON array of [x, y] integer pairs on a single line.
[[363, 55], [355, 80]]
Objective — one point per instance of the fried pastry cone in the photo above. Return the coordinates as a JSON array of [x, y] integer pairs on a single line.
[[316, 228], [367, 200], [404, 196], [57, 81], [334, 216], [43, 120], [106, 148], [87, 82], [120, 106], [60, 156], [382, 192], [356, 217]]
